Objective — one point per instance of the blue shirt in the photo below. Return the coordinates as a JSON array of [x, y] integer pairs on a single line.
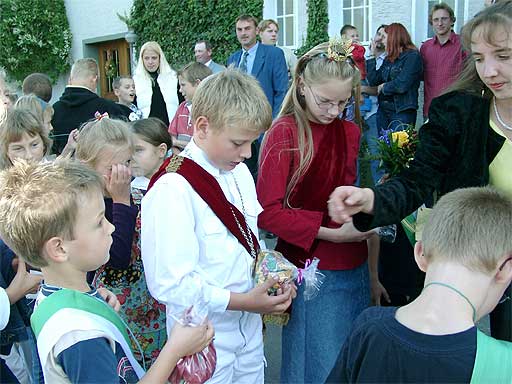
[[93, 361], [250, 57]]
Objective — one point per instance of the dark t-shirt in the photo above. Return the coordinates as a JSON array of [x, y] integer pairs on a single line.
[[381, 350]]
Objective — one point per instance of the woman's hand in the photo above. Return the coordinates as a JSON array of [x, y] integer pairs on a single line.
[[346, 201], [377, 291], [118, 184]]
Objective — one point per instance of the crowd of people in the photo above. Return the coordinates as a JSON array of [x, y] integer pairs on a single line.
[[137, 223]]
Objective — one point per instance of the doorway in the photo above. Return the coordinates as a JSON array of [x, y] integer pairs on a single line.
[[114, 60]]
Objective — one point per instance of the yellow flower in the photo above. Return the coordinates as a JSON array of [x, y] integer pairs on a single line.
[[400, 137]]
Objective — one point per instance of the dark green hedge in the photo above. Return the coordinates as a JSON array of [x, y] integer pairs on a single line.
[[35, 37], [176, 25], [318, 22]]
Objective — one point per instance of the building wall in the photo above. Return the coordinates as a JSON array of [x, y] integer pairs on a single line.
[[92, 21]]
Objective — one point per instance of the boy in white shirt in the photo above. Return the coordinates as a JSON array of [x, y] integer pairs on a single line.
[[199, 221]]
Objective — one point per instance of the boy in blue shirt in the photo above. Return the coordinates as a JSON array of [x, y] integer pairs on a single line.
[[53, 217], [465, 251]]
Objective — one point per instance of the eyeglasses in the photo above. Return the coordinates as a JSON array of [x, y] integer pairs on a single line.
[[326, 105]]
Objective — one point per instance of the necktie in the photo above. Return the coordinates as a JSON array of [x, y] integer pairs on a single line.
[[243, 62]]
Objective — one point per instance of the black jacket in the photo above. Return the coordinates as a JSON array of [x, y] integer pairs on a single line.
[[76, 106], [457, 145]]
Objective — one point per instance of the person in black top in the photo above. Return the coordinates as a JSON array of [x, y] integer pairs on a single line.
[[79, 102], [464, 143], [156, 84], [465, 252]]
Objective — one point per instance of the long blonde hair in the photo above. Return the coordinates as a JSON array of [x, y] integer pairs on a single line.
[[313, 67], [163, 67]]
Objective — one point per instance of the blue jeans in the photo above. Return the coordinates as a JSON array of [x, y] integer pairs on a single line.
[[387, 118], [312, 340], [371, 135]]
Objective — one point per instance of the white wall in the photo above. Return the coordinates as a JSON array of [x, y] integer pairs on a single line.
[[91, 19]]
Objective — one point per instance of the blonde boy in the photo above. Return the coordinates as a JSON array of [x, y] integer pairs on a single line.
[[466, 253], [53, 216], [180, 128], [124, 89], [183, 240]]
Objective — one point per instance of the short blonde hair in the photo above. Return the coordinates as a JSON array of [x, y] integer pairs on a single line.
[[84, 69], [97, 135], [40, 201], [471, 227], [264, 24], [232, 99], [17, 122]]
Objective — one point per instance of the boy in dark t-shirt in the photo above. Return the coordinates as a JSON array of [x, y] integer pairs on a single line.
[[465, 251]]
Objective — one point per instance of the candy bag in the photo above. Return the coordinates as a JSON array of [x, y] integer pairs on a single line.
[[191, 312], [270, 264]]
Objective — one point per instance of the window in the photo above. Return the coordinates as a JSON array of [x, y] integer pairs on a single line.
[[356, 13], [458, 7], [286, 18]]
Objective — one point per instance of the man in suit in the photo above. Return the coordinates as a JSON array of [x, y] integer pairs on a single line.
[[203, 53], [265, 62], [79, 102]]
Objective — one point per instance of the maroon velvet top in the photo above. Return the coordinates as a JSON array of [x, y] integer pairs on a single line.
[[336, 147]]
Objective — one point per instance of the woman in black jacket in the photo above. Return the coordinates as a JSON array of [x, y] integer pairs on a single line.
[[465, 143]]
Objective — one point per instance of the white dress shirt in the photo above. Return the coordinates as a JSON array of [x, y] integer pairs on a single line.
[[5, 308], [183, 241]]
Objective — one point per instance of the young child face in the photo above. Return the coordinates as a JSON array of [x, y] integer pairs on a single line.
[[146, 158], [187, 89], [90, 246], [126, 91], [110, 156], [30, 148], [353, 35], [325, 101], [47, 120], [227, 147]]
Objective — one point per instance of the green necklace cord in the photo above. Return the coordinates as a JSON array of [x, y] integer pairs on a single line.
[[456, 291]]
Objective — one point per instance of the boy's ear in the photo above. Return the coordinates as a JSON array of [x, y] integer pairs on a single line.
[[419, 257], [162, 150], [504, 272], [55, 250], [116, 92], [197, 82], [202, 126]]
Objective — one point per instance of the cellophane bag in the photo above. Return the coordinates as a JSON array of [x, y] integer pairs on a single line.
[[192, 311], [270, 264]]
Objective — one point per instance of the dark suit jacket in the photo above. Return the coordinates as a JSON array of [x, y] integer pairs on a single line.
[[271, 71], [457, 145]]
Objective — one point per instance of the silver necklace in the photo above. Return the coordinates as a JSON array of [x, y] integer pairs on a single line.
[[506, 126], [247, 235]]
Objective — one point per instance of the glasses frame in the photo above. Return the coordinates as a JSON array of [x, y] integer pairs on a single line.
[[326, 105]]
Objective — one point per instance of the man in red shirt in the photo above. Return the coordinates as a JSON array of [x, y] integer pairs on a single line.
[[442, 55]]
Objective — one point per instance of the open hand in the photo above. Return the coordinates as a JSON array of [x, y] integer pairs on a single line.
[[118, 182]]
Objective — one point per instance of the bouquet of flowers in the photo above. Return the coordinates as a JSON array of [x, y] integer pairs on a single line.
[[396, 149]]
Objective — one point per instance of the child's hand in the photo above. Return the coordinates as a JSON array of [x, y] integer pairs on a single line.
[[73, 139], [110, 298], [186, 341], [348, 233], [259, 301], [118, 184], [377, 291], [22, 283]]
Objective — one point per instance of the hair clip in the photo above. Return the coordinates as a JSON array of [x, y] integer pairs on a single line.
[[340, 49], [100, 116]]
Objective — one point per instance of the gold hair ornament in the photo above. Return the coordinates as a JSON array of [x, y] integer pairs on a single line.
[[340, 49]]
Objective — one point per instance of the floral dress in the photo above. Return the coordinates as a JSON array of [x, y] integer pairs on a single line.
[[144, 315]]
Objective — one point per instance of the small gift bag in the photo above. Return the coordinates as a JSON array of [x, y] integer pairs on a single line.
[[271, 264], [192, 312]]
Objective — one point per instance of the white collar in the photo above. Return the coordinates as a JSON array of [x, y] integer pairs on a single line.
[[192, 151]]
